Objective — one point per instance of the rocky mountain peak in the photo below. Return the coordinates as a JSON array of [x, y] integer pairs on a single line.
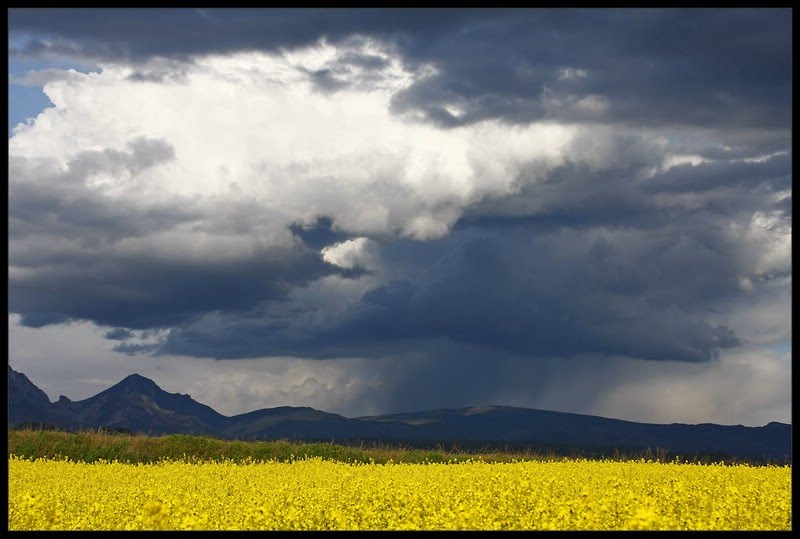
[[137, 383]]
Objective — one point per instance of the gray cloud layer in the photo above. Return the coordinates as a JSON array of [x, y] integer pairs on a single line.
[[68, 262], [617, 272], [704, 67], [666, 215]]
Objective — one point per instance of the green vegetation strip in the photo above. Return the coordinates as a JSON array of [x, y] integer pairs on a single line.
[[91, 446], [94, 445]]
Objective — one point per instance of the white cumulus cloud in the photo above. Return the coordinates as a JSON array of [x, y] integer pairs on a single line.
[[253, 127]]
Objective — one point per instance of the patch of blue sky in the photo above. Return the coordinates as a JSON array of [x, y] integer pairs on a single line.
[[784, 347], [26, 101]]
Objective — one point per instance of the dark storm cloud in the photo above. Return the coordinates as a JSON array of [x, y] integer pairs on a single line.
[[774, 174], [635, 295], [622, 194], [136, 291], [68, 259], [655, 67], [318, 234], [583, 262], [118, 334], [604, 256], [139, 34], [703, 67]]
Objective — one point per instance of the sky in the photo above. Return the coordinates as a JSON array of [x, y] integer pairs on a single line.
[[372, 211]]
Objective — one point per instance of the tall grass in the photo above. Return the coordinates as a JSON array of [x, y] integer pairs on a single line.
[[93, 445]]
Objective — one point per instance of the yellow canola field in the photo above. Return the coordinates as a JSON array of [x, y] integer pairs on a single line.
[[315, 494]]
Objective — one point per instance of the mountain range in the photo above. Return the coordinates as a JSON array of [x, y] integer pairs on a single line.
[[137, 404]]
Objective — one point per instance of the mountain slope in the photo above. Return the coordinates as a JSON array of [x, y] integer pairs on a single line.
[[506, 423], [138, 404], [28, 403], [258, 423]]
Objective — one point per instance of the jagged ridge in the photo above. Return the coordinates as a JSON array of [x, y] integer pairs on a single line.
[[137, 404]]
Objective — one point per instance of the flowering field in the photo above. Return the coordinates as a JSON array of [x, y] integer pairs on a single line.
[[322, 494]]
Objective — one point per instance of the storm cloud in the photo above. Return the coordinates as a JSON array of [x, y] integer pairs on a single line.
[[703, 67], [494, 194]]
